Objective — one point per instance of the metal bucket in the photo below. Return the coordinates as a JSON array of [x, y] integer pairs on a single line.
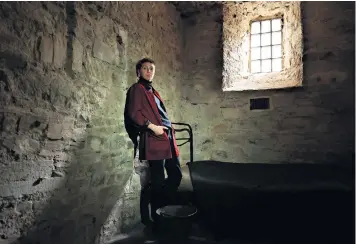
[[175, 221]]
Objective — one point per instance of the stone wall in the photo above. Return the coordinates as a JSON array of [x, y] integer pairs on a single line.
[[311, 124], [65, 164]]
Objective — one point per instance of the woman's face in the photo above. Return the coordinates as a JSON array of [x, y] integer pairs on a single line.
[[147, 71]]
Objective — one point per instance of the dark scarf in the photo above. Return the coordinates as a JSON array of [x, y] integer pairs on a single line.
[[147, 84]]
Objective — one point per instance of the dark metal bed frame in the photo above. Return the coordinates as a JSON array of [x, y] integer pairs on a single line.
[[188, 129]]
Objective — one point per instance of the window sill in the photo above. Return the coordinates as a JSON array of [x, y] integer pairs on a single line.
[[277, 80]]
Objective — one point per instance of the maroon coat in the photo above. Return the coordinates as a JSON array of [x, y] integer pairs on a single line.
[[141, 107]]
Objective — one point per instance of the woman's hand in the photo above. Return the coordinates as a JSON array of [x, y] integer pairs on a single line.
[[157, 129]]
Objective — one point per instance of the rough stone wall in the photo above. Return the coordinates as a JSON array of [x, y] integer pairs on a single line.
[[66, 162], [311, 124]]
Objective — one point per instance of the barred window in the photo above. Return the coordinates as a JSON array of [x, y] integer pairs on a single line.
[[266, 46]]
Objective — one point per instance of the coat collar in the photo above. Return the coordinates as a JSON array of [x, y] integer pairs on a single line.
[[151, 100]]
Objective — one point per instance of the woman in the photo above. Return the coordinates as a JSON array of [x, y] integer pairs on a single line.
[[146, 118]]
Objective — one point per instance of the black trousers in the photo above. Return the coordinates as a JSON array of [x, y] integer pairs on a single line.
[[161, 191]]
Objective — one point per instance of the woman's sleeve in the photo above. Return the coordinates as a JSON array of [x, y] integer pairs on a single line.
[[135, 106]]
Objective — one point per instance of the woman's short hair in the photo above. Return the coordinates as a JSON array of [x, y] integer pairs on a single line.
[[142, 61]]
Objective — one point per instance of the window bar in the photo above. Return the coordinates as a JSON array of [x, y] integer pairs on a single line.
[[260, 46], [270, 34]]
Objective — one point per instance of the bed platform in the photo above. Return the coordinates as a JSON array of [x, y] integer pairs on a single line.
[[294, 203], [283, 203]]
